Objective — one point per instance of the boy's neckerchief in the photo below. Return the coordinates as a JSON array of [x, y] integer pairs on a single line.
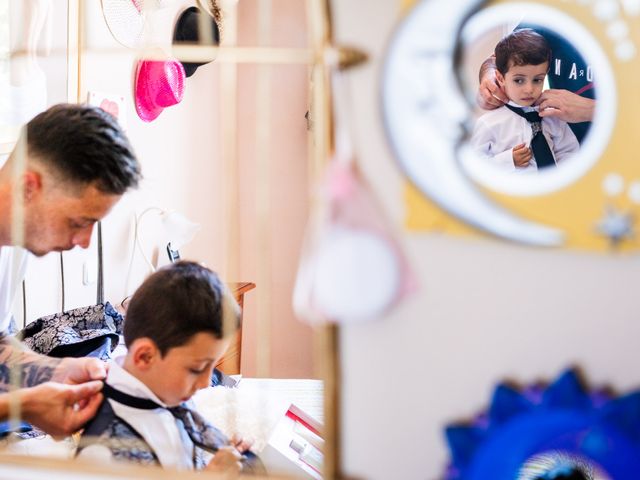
[[129, 400], [202, 433], [539, 145]]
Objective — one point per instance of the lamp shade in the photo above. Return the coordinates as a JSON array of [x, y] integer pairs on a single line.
[[180, 230]]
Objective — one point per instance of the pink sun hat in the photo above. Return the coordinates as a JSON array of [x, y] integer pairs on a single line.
[[158, 85]]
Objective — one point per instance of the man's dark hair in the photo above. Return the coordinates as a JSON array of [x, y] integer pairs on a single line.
[[521, 47], [85, 145], [178, 302]]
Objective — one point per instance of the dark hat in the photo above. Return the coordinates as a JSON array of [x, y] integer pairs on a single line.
[[187, 32]]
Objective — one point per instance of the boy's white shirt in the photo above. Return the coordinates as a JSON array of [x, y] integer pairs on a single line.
[[13, 266], [164, 434], [496, 133]]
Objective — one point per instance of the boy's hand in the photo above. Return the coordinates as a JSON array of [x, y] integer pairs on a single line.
[[490, 94], [521, 155], [227, 460], [241, 444]]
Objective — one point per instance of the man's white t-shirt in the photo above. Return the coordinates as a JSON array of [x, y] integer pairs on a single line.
[[13, 266]]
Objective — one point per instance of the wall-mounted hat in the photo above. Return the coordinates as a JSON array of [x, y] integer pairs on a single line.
[[126, 20], [187, 31], [158, 85]]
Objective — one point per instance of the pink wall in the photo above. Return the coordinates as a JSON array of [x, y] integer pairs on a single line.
[[287, 186]]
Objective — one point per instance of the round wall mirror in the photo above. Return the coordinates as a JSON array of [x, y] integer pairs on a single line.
[[576, 64]]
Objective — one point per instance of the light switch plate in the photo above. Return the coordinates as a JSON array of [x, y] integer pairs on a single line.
[[89, 273]]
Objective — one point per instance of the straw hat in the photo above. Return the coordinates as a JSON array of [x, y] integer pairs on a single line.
[[125, 19]]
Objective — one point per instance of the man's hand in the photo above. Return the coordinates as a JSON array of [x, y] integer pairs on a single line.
[[60, 409], [490, 94], [79, 370], [521, 155], [226, 460], [566, 106], [35, 369]]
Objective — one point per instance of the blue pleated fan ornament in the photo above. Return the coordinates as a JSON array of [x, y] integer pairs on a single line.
[[561, 432]]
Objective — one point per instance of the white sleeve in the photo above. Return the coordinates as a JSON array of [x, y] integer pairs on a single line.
[[565, 142], [483, 142], [96, 454], [13, 266]]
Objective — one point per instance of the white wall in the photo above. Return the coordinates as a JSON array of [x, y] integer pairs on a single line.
[[486, 310], [287, 183]]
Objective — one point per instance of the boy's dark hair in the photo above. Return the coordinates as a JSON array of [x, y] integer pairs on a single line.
[[85, 145], [178, 302], [521, 47]]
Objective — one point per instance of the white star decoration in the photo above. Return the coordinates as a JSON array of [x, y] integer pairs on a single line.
[[616, 225]]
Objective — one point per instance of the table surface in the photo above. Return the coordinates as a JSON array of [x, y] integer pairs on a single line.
[[306, 394]]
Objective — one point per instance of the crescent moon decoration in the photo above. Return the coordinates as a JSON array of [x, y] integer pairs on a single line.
[[419, 81], [558, 432]]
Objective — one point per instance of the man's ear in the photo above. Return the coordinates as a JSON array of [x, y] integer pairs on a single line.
[[144, 353], [32, 184]]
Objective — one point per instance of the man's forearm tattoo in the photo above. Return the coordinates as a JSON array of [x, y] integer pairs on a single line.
[[21, 367]]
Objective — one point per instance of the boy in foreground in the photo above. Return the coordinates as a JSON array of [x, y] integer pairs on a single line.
[[178, 325]]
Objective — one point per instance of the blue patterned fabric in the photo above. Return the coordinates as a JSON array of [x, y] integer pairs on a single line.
[[124, 442], [91, 331], [201, 432], [7, 427]]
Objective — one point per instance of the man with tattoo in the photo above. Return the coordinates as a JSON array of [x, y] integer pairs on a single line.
[[77, 165]]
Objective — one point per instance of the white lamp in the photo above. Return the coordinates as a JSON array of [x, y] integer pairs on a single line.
[[178, 229]]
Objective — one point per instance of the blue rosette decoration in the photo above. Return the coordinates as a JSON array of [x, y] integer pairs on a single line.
[[558, 432]]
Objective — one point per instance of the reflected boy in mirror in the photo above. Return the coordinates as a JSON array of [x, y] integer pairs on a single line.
[[514, 136]]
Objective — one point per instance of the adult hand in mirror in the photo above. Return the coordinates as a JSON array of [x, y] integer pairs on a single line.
[[491, 95], [565, 105]]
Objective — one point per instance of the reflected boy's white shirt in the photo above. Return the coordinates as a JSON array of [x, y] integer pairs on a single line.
[[164, 434], [498, 131]]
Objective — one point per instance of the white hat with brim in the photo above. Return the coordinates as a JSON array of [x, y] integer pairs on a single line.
[[126, 20]]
